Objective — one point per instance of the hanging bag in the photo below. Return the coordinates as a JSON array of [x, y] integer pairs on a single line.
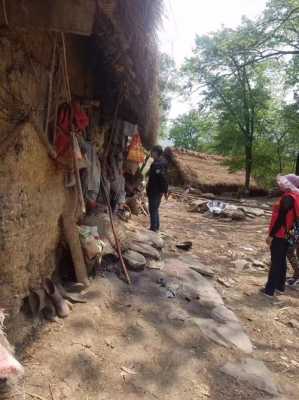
[[136, 152]]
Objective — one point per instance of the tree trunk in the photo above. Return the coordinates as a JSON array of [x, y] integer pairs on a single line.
[[248, 167], [279, 160]]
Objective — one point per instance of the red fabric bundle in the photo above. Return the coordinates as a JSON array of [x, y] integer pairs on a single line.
[[66, 116]]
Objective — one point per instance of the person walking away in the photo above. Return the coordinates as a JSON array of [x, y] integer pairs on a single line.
[[157, 186], [291, 183], [284, 216]]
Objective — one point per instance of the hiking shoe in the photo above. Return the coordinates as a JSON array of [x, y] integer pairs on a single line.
[[264, 293], [293, 282]]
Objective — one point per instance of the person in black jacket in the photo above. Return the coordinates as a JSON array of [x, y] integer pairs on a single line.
[[157, 186]]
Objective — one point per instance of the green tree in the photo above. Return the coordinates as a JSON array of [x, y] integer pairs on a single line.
[[275, 34], [244, 78], [236, 90], [168, 87], [193, 131]]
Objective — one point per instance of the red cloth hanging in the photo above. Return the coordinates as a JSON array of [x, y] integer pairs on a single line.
[[68, 116]]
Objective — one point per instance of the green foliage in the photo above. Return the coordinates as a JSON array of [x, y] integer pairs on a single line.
[[237, 92], [168, 86], [243, 77], [193, 131]]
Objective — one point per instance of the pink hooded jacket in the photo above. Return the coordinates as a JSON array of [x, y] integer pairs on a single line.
[[288, 183]]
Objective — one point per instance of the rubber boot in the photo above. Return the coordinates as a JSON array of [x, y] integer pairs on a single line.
[[36, 301], [61, 306], [72, 297], [49, 310]]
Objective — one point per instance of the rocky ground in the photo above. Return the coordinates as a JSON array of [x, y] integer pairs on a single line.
[[193, 326]]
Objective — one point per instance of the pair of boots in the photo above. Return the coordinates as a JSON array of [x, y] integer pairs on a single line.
[[52, 300]]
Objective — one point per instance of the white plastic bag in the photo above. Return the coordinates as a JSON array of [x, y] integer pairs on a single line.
[[92, 245]]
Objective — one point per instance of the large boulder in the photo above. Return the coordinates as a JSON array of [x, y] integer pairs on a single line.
[[134, 260], [253, 372], [194, 285], [103, 224], [200, 206], [230, 334], [145, 249], [148, 237], [194, 263], [223, 314], [256, 212]]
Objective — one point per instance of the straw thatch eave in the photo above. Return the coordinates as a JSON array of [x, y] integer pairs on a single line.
[[135, 26], [125, 32]]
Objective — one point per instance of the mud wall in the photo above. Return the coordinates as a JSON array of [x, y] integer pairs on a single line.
[[32, 194], [31, 203]]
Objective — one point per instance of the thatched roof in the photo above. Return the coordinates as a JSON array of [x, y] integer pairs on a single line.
[[123, 37], [134, 25], [206, 172]]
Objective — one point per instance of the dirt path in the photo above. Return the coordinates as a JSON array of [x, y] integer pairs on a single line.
[[123, 344]]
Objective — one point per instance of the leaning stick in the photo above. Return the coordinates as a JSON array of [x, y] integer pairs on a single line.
[[4, 11], [69, 95], [69, 225], [116, 238], [67, 81], [50, 89], [77, 176]]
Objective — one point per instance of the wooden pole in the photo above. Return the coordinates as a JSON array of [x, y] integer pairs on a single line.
[[50, 89], [4, 11], [66, 80], [69, 222], [115, 236], [77, 175], [69, 95]]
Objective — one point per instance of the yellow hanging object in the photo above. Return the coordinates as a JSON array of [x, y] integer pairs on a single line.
[[136, 152]]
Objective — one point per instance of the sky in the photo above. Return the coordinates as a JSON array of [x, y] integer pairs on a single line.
[[186, 18]]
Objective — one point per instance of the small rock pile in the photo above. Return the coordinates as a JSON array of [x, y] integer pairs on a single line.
[[143, 248], [231, 211]]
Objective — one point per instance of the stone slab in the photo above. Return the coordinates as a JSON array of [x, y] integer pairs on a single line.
[[253, 372]]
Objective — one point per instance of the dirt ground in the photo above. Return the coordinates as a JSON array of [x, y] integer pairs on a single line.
[[122, 344]]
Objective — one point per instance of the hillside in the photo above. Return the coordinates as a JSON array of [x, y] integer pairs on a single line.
[[205, 172]]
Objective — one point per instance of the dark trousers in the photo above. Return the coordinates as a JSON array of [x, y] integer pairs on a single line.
[[278, 270], [154, 201]]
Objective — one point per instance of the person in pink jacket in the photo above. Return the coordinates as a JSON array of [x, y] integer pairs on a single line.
[[290, 183]]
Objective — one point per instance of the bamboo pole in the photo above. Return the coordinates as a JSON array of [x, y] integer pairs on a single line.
[[4, 11], [77, 176], [50, 89], [66, 75], [69, 222], [69, 95], [115, 236]]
